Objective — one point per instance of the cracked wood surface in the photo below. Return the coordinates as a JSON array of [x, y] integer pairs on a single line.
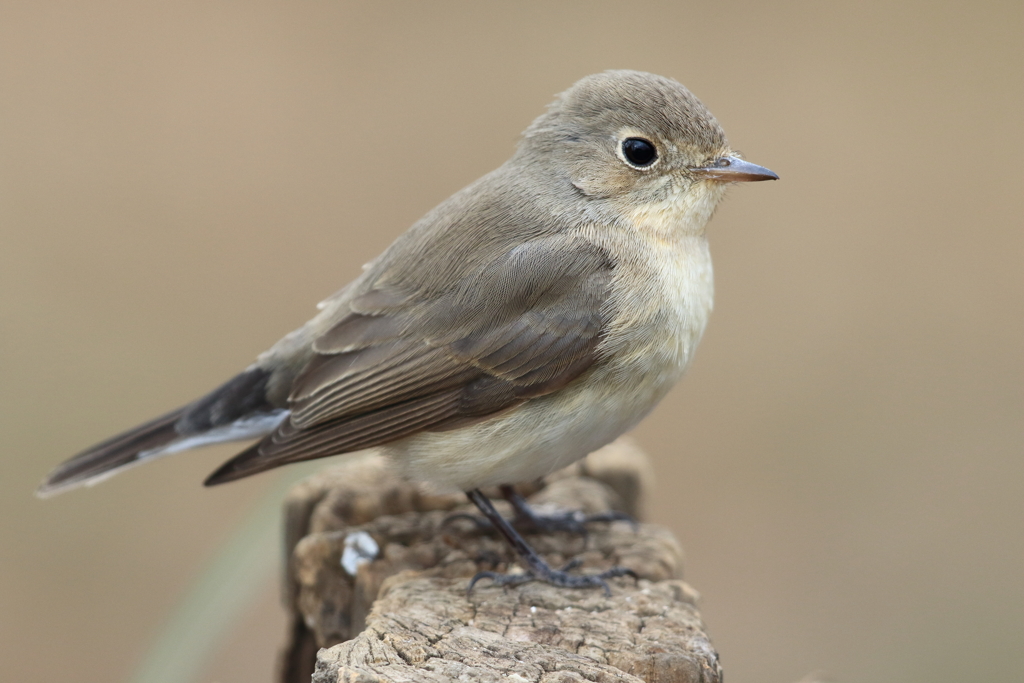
[[405, 615]]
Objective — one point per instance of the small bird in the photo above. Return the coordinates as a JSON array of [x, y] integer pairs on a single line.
[[527, 320]]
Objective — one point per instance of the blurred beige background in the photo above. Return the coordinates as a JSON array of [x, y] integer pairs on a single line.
[[181, 182]]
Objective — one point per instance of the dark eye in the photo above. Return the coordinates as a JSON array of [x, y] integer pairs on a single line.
[[639, 152]]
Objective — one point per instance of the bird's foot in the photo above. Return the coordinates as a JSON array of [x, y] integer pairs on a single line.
[[536, 568], [541, 571], [528, 520], [572, 521]]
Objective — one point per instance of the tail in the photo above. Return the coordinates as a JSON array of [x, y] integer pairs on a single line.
[[235, 411], [109, 457]]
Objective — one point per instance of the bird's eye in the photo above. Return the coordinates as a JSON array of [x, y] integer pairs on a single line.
[[639, 152]]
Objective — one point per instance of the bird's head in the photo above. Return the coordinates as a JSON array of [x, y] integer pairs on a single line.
[[642, 145]]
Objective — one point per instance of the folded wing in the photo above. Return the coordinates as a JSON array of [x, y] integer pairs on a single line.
[[523, 325]]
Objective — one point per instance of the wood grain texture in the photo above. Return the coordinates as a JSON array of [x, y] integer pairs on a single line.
[[405, 615]]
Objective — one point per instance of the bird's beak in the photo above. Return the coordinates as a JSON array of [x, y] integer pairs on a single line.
[[734, 170]]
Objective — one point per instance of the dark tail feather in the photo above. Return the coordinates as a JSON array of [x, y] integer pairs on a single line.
[[113, 454], [241, 398], [248, 462]]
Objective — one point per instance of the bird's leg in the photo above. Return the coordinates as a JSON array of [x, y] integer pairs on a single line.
[[526, 519], [572, 520], [536, 568]]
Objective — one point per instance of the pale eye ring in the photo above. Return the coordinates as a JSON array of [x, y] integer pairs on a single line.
[[639, 152]]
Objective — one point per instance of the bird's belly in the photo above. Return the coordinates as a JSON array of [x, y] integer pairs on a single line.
[[537, 438], [548, 433]]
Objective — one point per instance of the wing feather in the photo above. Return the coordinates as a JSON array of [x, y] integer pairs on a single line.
[[523, 325]]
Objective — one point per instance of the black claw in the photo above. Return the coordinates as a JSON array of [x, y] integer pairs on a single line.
[[500, 579]]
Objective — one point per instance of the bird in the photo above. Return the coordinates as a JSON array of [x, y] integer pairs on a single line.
[[526, 321]]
